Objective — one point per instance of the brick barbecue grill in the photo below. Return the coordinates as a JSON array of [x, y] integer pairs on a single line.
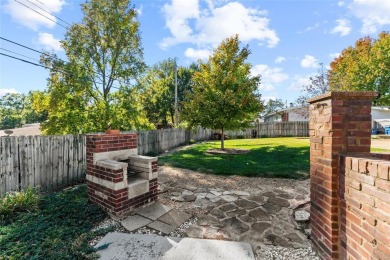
[[119, 179]]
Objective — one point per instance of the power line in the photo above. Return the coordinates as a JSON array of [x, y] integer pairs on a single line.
[[31, 49], [46, 67], [41, 14], [19, 54], [26, 61], [48, 12], [46, 54]]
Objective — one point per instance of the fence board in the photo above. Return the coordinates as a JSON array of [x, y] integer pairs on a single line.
[[50, 162]]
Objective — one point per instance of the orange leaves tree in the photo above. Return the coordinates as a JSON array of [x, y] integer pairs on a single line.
[[225, 96], [364, 67]]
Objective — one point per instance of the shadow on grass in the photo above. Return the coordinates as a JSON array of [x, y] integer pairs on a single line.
[[278, 161], [60, 229]]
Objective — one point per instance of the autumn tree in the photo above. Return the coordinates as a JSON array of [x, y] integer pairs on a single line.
[[318, 85], [225, 96], [158, 90], [94, 90], [364, 67]]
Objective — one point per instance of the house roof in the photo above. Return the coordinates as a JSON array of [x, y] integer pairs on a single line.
[[278, 112]]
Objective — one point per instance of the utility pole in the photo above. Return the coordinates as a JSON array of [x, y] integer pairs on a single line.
[[176, 112]]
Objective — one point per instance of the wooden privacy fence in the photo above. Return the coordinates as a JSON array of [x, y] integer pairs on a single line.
[[273, 129], [47, 162], [159, 141], [50, 162]]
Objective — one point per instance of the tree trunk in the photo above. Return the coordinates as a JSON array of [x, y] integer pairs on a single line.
[[222, 139]]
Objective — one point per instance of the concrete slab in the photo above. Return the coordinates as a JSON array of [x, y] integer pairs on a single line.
[[162, 227], [135, 222], [150, 247], [175, 218], [154, 211]]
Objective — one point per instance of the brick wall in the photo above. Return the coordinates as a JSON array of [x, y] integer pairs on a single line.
[[365, 208], [340, 123], [107, 176]]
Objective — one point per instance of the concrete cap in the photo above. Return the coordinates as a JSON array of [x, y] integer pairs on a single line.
[[344, 95]]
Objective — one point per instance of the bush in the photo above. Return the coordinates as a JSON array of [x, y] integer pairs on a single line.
[[16, 202], [151, 154], [240, 137], [192, 141]]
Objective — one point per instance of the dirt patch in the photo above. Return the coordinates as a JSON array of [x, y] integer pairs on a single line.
[[228, 151]]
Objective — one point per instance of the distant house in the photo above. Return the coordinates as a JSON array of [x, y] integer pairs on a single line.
[[288, 114], [380, 118]]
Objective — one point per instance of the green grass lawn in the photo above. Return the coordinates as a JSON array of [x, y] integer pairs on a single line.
[[380, 150], [269, 157], [59, 229]]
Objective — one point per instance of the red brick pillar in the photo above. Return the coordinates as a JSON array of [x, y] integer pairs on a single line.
[[340, 122]]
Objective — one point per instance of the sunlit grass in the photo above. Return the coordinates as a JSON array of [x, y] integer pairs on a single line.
[[268, 157]]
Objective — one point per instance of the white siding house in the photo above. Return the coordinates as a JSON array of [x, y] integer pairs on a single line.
[[288, 114]]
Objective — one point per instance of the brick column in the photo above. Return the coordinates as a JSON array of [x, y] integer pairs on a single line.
[[340, 122]]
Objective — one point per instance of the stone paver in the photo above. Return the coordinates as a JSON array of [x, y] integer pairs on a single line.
[[263, 216], [246, 204], [229, 198], [135, 222], [154, 211], [122, 246], [162, 227], [302, 216], [175, 218]]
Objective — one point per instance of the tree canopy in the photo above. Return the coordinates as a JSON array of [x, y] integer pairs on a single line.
[[225, 96], [364, 67], [158, 91], [16, 110], [94, 90]]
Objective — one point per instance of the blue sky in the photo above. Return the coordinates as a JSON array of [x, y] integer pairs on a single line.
[[288, 38]]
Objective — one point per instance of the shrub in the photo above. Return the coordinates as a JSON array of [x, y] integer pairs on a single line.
[[192, 141], [240, 137], [151, 154], [15, 202]]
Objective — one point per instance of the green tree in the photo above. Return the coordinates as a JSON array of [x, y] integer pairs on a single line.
[[12, 106], [224, 95], [158, 91], [105, 57], [364, 67], [273, 105]]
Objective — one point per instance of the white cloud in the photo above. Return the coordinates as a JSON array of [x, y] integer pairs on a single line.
[[4, 91], [139, 10], [280, 59], [343, 27], [49, 42], [298, 82], [208, 27], [334, 55], [341, 3], [269, 76], [30, 19], [373, 13], [197, 54], [309, 62]]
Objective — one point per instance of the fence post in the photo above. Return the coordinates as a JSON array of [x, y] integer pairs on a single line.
[[340, 122]]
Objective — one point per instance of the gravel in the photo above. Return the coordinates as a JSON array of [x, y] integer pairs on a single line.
[[284, 253]]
